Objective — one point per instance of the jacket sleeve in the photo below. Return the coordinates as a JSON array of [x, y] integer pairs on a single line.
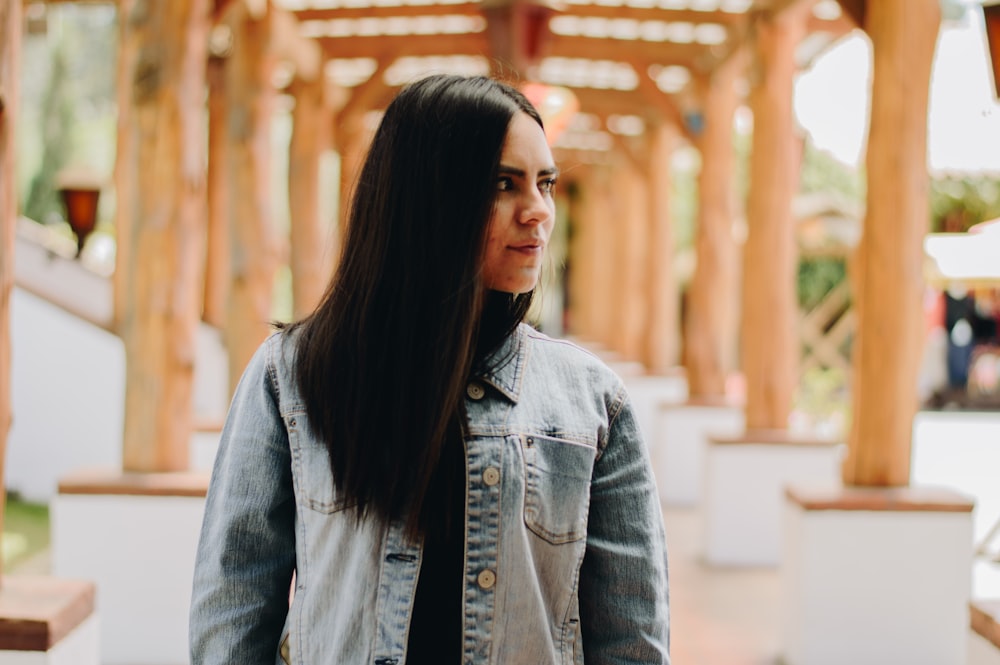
[[624, 608], [246, 554]]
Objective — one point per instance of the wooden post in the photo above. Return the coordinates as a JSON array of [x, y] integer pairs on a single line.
[[579, 272], [165, 204], [352, 139], [713, 295], [254, 251], [662, 336], [889, 282], [311, 255], [591, 269], [629, 224], [125, 179], [217, 251], [770, 349], [10, 70]]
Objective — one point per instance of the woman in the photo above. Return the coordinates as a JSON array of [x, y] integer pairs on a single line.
[[443, 483]]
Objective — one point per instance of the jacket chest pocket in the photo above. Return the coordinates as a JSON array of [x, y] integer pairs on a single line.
[[311, 468], [556, 487]]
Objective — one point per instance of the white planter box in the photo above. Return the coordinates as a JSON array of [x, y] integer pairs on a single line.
[[745, 485], [136, 536], [677, 447], [873, 576]]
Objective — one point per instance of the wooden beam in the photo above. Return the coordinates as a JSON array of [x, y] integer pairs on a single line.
[[661, 53], [392, 47], [362, 98], [11, 20], [856, 10], [660, 100], [611, 102], [402, 11], [612, 12], [289, 44]]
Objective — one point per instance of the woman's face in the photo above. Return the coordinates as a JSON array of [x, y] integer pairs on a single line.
[[524, 211]]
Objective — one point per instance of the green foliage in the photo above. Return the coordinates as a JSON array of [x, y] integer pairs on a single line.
[[824, 401], [67, 105], [817, 277], [56, 117], [822, 173], [25, 531], [960, 202]]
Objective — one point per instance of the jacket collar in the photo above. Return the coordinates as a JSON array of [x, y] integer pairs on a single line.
[[506, 364]]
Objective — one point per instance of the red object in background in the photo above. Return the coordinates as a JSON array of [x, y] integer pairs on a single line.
[[556, 105], [991, 15], [81, 211]]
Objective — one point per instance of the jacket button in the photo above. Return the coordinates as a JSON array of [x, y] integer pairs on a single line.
[[475, 391], [486, 579], [491, 476]]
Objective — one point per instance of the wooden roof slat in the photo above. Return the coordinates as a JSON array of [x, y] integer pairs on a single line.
[[459, 9], [603, 102], [381, 46], [622, 50], [653, 14]]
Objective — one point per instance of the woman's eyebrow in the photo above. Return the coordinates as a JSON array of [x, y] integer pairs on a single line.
[[521, 173]]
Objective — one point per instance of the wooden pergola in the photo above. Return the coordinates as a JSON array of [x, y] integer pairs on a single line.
[[648, 76]]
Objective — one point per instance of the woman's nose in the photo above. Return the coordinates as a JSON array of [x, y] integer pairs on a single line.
[[536, 209]]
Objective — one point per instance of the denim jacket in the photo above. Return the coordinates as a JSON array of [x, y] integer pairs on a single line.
[[565, 557]]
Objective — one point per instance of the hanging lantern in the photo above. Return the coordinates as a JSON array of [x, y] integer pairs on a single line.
[[80, 192], [556, 105]]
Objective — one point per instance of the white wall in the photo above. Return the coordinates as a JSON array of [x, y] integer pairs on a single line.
[[68, 396], [960, 450]]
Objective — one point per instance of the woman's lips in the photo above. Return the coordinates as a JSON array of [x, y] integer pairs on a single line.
[[528, 249]]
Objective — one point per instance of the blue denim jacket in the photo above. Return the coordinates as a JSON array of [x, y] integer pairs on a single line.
[[565, 557]]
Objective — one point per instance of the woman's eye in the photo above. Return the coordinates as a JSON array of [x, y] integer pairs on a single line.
[[505, 184], [547, 186]]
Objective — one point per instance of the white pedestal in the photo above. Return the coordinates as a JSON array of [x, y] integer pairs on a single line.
[[47, 621], [648, 392], [745, 484], [678, 445], [877, 576], [136, 536]]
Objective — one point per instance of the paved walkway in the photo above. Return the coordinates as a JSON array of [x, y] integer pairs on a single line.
[[720, 616]]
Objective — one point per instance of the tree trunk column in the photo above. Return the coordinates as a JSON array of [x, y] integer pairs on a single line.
[[630, 233], [889, 336], [254, 251], [10, 71], [311, 256], [217, 252], [662, 341], [713, 296], [591, 272], [353, 140], [165, 205], [770, 348], [125, 179]]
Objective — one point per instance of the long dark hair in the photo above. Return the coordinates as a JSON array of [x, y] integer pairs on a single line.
[[384, 360]]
